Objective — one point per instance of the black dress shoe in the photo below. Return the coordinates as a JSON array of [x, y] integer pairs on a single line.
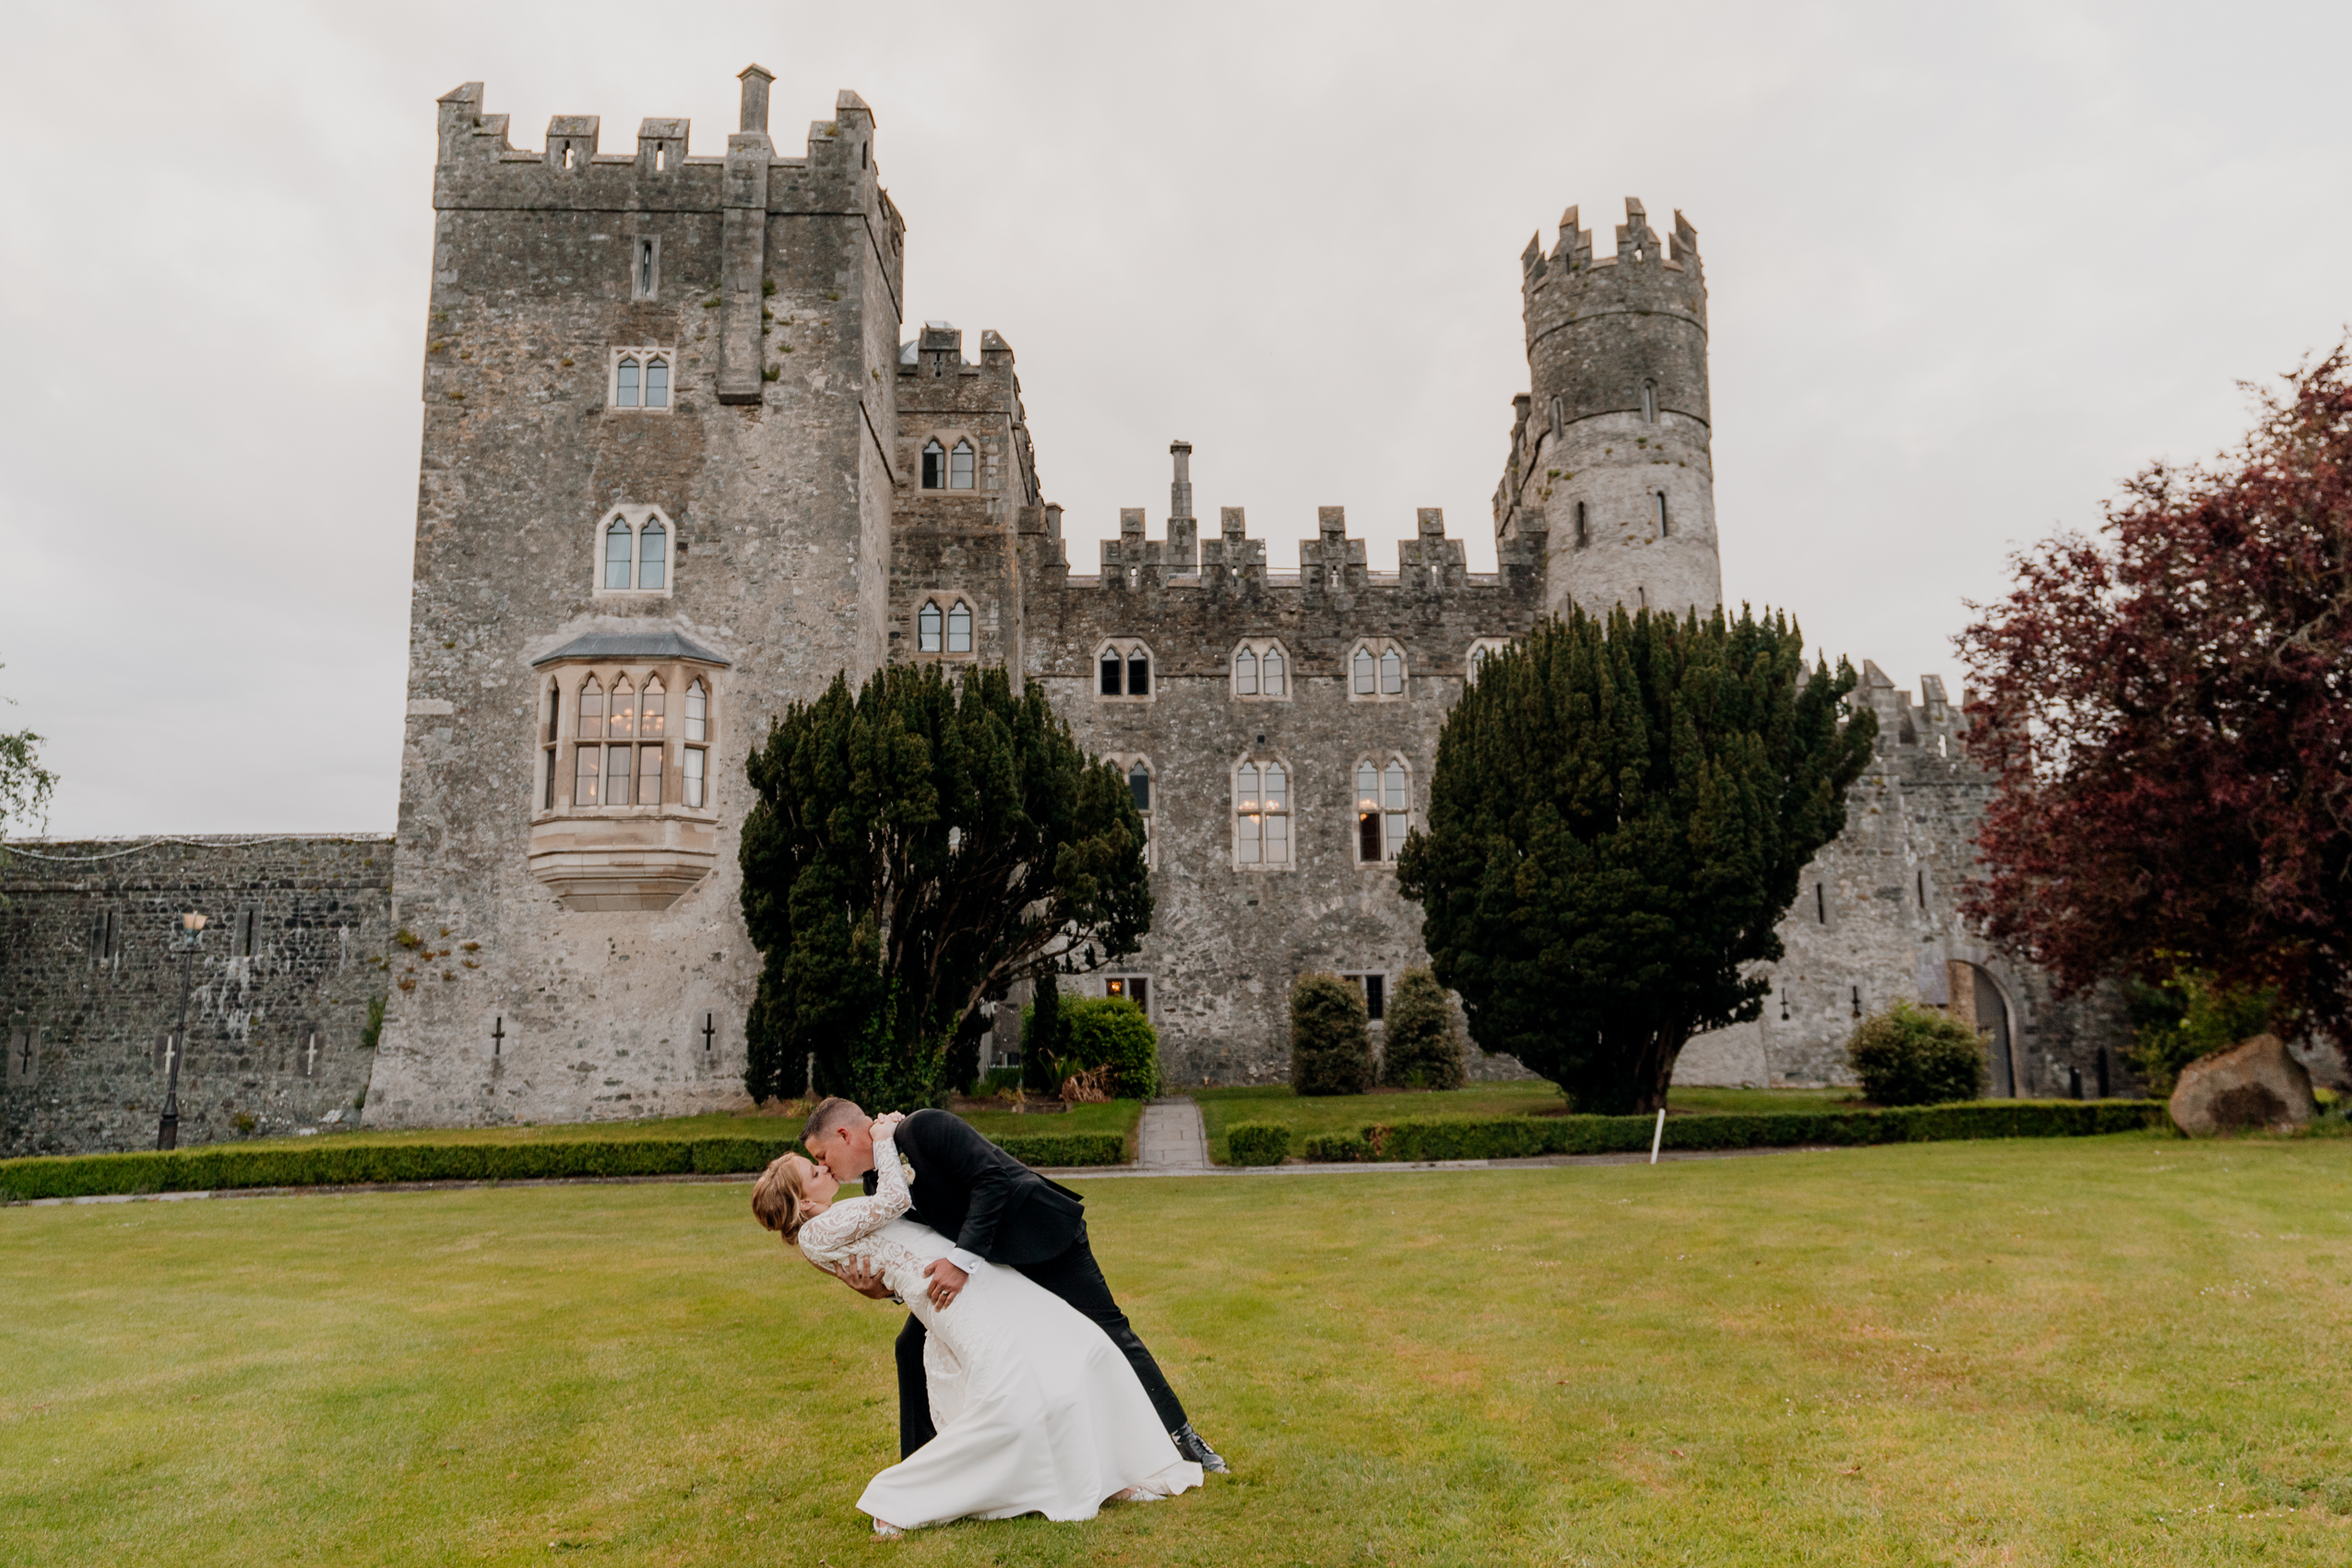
[[1194, 1446]]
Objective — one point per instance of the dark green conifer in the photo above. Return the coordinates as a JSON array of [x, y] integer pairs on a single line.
[[1618, 815], [914, 849]]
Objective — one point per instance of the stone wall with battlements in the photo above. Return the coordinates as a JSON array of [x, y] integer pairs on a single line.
[[1229, 937], [294, 949]]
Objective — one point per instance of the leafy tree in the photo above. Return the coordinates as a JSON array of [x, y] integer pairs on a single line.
[[2188, 1016], [1910, 1055], [914, 849], [1419, 1047], [1618, 816], [25, 785], [1330, 1039], [2167, 711]]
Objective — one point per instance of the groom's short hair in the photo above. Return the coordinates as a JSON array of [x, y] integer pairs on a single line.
[[831, 1111]]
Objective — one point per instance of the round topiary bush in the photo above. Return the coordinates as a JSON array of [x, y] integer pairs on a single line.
[[1910, 1055], [1330, 1041], [1420, 1047]]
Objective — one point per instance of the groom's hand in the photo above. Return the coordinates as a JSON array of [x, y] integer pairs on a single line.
[[861, 1275], [946, 1282]]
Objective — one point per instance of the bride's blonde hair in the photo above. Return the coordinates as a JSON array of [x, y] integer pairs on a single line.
[[777, 1200]]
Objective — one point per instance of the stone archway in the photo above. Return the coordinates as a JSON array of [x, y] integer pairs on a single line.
[[1978, 1002]]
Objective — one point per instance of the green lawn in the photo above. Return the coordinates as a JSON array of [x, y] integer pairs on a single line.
[[1335, 1114], [1117, 1116], [2121, 1350]]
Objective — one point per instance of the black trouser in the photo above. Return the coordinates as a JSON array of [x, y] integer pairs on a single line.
[[1075, 1277]]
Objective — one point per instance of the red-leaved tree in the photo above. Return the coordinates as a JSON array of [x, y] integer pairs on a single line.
[[2168, 708]]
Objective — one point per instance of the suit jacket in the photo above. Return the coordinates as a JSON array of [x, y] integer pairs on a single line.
[[995, 1207]]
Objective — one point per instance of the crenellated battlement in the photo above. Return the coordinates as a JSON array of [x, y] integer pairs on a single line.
[[478, 166], [1647, 273]]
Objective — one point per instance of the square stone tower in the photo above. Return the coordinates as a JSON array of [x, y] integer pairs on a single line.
[[653, 507]]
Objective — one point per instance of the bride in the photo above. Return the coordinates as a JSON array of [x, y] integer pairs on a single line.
[[1037, 1410]]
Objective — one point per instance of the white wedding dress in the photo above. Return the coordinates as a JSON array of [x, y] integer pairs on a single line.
[[1036, 1409]]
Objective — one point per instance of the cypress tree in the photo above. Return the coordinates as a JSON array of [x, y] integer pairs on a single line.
[[1419, 1047], [1618, 816]]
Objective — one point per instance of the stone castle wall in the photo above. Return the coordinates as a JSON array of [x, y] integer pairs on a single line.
[[279, 989], [575, 949]]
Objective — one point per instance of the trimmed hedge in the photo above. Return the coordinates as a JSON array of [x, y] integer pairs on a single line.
[[1337, 1148], [1518, 1137], [1257, 1143], [338, 1165]]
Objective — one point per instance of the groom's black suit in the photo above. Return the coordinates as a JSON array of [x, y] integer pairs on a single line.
[[994, 1208]]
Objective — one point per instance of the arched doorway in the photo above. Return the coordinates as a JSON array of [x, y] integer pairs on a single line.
[[1976, 1000]]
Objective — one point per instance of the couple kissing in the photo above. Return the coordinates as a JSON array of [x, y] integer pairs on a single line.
[[1022, 1387]]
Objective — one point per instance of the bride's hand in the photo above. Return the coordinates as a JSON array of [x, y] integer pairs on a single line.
[[887, 1123]]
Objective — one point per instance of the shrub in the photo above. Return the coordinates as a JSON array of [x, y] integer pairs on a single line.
[[1421, 1047], [1337, 1148], [1257, 1143], [1112, 1032], [1085, 1033], [225, 1166], [2191, 1014], [1910, 1055], [1330, 1042], [1518, 1137]]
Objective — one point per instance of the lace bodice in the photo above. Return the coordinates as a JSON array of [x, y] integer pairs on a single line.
[[857, 1227]]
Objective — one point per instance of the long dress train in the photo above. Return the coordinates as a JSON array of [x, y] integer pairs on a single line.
[[1036, 1409]]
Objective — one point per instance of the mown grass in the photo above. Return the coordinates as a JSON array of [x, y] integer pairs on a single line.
[[1220, 1107], [2121, 1350]]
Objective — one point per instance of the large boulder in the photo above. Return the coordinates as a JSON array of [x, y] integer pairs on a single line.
[[2253, 1084]]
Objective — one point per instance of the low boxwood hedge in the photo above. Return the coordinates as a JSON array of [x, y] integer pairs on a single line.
[[1516, 1137], [1257, 1143], [328, 1164]]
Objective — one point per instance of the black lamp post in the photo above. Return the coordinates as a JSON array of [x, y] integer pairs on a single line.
[[167, 1132]]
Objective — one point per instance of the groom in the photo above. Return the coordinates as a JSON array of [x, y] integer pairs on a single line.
[[994, 1208]]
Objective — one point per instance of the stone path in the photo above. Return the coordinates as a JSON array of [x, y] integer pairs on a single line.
[[1170, 1141]]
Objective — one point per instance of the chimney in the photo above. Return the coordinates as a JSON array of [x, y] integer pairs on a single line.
[[1184, 533], [755, 79]]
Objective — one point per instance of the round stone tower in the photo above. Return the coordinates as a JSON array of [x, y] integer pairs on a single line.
[[1613, 454]]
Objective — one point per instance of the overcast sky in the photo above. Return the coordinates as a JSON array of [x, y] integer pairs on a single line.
[[1968, 267]]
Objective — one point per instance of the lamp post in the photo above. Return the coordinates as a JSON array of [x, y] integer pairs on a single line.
[[167, 1132]]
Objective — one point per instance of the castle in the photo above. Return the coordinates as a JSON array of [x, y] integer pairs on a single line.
[[682, 464]]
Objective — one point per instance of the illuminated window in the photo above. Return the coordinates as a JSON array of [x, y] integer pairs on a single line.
[[1260, 813], [1383, 809]]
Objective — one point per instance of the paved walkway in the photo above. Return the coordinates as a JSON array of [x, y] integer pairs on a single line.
[[1170, 1140]]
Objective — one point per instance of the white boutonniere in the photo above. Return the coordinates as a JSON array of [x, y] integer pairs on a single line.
[[909, 1166]]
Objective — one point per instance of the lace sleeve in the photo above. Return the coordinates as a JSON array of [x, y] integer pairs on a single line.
[[836, 1231]]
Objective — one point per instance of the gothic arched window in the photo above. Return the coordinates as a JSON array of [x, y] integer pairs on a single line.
[[653, 555], [927, 620], [959, 467], [1260, 813], [617, 550], [934, 466], [959, 627], [1384, 798]]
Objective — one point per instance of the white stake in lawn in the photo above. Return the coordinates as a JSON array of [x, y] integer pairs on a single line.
[[1658, 1135]]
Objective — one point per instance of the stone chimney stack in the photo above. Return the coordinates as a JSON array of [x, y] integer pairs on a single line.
[[755, 79], [1183, 530]]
